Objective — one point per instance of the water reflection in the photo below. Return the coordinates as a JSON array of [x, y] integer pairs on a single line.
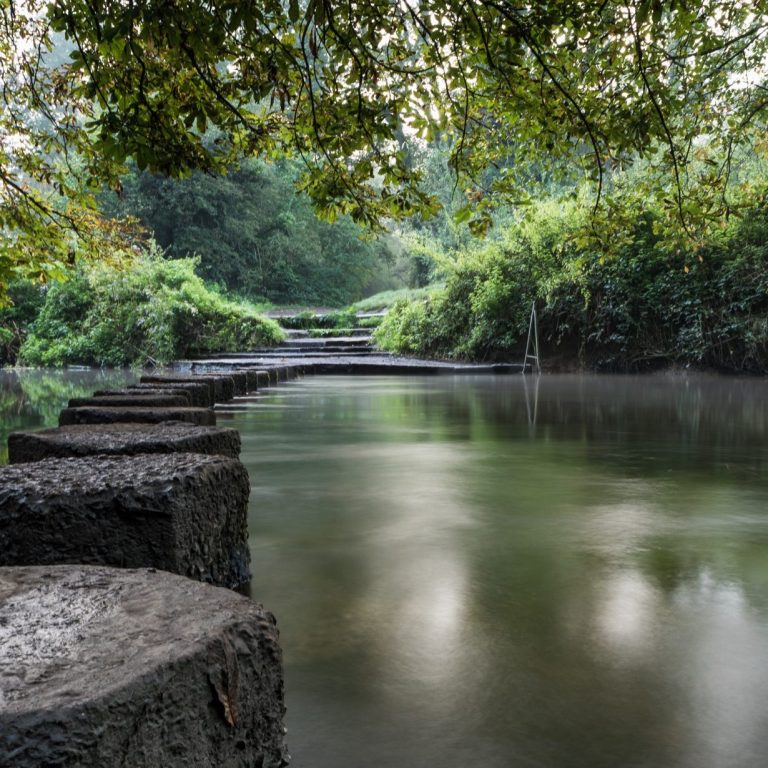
[[33, 399], [509, 572]]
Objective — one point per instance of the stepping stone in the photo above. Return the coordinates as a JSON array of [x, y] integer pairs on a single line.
[[180, 512], [222, 387], [122, 439], [146, 390], [239, 377], [104, 667], [241, 381], [109, 415], [121, 401], [200, 392], [262, 378]]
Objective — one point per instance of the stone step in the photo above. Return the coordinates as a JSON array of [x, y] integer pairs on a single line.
[[137, 398], [126, 392], [122, 439], [350, 341], [199, 392], [303, 353], [222, 388], [93, 414], [180, 512], [114, 667]]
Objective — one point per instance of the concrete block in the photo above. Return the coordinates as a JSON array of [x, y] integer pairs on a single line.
[[200, 392], [146, 390], [108, 415], [122, 439], [101, 668], [140, 399], [180, 512], [222, 386], [262, 378]]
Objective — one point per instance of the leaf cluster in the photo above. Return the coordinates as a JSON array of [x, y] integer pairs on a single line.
[[157, 311], [651, 305]]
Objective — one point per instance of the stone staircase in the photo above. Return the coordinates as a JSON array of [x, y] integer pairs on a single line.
[[323, 349]]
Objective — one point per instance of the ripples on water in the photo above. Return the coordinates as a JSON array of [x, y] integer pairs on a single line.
[[500, 572]]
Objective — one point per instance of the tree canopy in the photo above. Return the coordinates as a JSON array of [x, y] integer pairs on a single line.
[[197, 85]]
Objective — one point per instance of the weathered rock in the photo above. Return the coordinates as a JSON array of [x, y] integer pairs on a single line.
[[241, 381], [110, 415], [252, 378], [262, 378], [101, 667], [122, 439], [181, 512], [146, 389], [121, 401], [200, 392], [222, 387]]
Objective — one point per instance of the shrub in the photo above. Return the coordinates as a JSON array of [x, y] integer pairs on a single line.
[[153, 312], [648, 306]]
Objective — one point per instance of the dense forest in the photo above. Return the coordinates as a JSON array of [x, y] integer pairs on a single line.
[[165, 180]]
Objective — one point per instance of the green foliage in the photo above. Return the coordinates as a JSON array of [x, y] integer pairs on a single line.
[[26, 299], [255, 234], [649, 306], [158, 311], [344, 318], [386, 299], [521, 93]]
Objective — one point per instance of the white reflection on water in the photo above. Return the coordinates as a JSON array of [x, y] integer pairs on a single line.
[[417, 564], [725, 673], [625, 615]]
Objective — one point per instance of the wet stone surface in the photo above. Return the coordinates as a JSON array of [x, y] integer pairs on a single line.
[[122, 439], [137, 399], [147, 391], [200, 392], [93, 414], [180, 512], [103, 667], [222, 387]]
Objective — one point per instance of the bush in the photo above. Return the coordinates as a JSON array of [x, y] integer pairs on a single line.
[[26, 301], [649, 306], [150, 314]]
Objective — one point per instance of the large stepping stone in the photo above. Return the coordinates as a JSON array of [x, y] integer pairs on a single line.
[[146, 391], [179, 512], [241, 381], [137, 399], [222, 387], [93, 414], [122, 439], [200, 392], [256, 378], [101, 668]]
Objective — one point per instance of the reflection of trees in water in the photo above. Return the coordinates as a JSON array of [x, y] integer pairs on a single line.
[[33, 399], [699, 422], [551, 592]]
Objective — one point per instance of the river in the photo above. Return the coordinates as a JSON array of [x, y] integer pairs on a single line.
[[555, 572]]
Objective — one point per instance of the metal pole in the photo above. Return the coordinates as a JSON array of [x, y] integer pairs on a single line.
[[533, 328]]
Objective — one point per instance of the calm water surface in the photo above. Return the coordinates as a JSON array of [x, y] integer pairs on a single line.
[[32, 399], [501, 572]]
